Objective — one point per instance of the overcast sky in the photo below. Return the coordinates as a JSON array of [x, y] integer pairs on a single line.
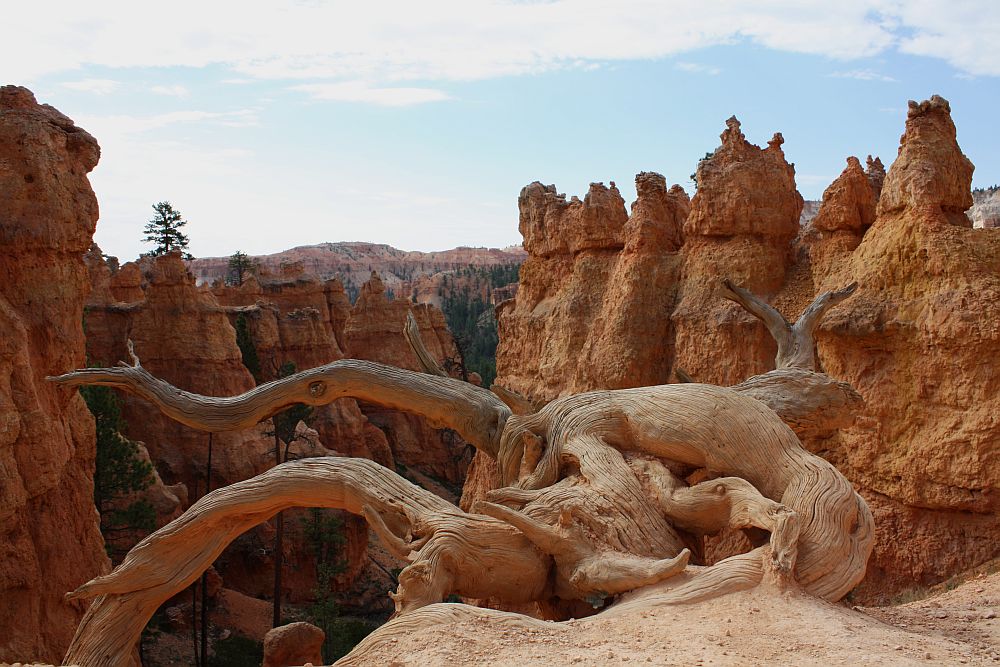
[[417, 123]]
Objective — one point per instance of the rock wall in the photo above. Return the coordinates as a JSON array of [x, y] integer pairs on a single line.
[[374, 331], [985, 212], [49, 537], [580, 317], [919, 338], [182, 335], [920, 341], [353, 262]]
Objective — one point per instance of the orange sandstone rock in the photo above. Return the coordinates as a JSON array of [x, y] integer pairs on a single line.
[[919, 340], [374, 331], [182, 333], [848, 209], [49, 537], [930, 170], [293, 644], [743, 219]]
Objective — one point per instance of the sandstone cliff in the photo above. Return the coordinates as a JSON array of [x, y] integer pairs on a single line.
[[374, 332], [920, 341], [743, 219], [985, 212], [917, 339], [49, 537], [580, 317], [183, 335]]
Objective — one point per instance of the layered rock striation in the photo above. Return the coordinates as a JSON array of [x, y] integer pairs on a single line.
[[49, 536], [917, 339]]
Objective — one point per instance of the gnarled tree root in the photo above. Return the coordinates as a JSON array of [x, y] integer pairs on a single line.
[[457, 552]]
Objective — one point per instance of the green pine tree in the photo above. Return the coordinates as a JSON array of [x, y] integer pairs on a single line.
[[119, 472], [164, 229], [240, 266]]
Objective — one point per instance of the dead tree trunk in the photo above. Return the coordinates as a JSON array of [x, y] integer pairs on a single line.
[[589, 508]]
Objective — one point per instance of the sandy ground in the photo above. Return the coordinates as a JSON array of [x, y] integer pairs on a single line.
[[749, 628], [955, 627]]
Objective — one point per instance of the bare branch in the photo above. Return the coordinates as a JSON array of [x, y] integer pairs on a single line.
[[518, 404], [411, 331], [775, 322], [476, 414], [811, 316], [173, 557], [683, 377], [796, 346]]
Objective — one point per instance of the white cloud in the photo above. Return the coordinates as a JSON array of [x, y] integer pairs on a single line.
[[697, 68], [962, 32], [175, 90], [119, 125], [358, 91], [863, 75], [96, 86], [441, 40]]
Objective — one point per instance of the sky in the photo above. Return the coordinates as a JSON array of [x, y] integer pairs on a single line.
[[275, 124]]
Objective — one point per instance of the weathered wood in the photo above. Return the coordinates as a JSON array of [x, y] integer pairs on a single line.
[[411, 332], [589, 508], [812, 403], [173, 557], [475, 413], [796, 346]]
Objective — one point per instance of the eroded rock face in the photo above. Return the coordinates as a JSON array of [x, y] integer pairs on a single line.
[[579, 319], [985, 213], [49, 537], [181, 333], [743, 219], [930, 170], [374, 332], [353, 262], [918, 339], [848, 209]]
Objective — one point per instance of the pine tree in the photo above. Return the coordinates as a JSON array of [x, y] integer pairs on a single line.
[[119, 472], [240, 265], [164, 229]]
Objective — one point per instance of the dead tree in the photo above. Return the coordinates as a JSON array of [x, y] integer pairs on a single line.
[[589, 507]]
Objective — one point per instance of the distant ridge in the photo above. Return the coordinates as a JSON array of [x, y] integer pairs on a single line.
[[353, 261]]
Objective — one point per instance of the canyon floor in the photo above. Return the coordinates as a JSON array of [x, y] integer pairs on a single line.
[[952, 627]]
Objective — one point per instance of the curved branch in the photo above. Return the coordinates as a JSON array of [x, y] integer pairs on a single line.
[[812, 315], [170, 559], [796, 347], [411, 332], [775, 322], [476, 414]]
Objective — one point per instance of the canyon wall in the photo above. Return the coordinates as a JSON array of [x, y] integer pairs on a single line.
[[286, 320], [353, 262], [919, 338], [50, 542]]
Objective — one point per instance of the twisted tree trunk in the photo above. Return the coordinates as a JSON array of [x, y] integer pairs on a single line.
[[590, 508]]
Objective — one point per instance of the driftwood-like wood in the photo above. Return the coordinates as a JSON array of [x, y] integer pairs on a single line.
[[173, 557], [812, 403], [796, 346], [411, 332], [475, 413], [589, 511]]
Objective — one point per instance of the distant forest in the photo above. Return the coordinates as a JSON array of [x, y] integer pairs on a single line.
[[470, 317]]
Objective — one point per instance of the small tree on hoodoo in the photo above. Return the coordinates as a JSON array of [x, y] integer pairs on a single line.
[[164, 229], [240, 266]]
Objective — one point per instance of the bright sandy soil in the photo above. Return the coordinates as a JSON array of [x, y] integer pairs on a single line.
[[757, 627], [749, 628]]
